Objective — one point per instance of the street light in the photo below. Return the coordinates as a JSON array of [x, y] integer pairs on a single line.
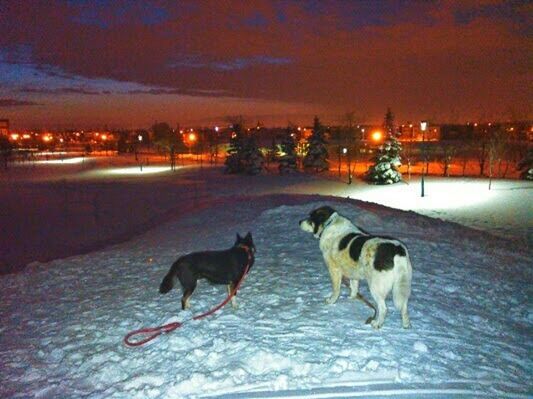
[[423, 127], [377, 136]]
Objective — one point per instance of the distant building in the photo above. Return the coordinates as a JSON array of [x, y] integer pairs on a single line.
[[413, 132], [4, 127]]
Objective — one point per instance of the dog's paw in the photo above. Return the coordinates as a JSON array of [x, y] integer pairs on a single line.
[[376, 324], [406, 325], [369, 320], [331, 300]]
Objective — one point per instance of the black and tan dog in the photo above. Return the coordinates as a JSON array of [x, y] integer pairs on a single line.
[[352, 253], [218, 267]]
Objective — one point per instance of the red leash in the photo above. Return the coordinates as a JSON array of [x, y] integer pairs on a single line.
[[154, 332]]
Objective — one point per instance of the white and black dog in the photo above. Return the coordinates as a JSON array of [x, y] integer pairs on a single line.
[[352, 253]]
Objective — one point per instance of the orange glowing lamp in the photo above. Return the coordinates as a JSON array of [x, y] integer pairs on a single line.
[[377, 135]]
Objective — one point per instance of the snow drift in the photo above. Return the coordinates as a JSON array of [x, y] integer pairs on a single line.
[[63, 322]]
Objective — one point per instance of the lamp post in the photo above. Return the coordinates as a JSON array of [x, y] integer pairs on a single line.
[[410, 152], [347, 153], [423, 127]]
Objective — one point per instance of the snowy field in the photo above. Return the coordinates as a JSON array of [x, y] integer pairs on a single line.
[[64, 321], [54, 210]]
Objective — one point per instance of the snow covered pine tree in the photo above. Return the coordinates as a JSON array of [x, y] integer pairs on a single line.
[[387, 160], [287, 161], [317, 155]]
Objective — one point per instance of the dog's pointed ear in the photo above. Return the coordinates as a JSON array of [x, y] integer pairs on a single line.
[[239, 238], [248, 238]]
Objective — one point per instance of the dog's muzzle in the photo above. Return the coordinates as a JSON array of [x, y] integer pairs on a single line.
[[306, 225]]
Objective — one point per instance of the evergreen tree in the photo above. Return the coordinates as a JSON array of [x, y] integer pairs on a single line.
[[526, 166], [317, 154], [387, 160], [253, 159], [388, 124], [287, 161], [235, 153]]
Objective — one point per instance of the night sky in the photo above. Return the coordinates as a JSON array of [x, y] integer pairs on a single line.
[[130, 63]]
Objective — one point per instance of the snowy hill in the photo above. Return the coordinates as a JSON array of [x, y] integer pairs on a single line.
[[63, 322]]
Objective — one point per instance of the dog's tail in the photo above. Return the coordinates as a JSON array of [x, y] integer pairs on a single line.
[[170, 279], [401, 289]]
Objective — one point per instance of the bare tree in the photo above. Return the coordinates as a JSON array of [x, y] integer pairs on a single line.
[[482, 151], [447, 153], [496, 149], [352, 144]]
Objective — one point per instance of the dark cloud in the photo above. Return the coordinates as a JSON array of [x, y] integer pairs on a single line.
[[11, 102], [421, 58], [62, 90], [162, 91]]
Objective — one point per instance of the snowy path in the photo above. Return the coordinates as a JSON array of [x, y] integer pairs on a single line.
[[63, 322]]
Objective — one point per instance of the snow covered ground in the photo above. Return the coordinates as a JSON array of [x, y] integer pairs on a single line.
[[56, 210], [63, 322]]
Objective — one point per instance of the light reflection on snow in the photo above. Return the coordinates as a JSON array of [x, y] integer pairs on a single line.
[[137, 170], [438, 195], [62, 161]]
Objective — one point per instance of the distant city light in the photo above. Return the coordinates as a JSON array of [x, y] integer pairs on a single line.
[[192, 137], [216, 128], [377, 135], [140, 137], [14, 136]]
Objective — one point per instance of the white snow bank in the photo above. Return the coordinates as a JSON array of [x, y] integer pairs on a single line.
[[63, 322]]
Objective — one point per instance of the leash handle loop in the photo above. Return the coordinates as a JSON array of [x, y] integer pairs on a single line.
[[151, 332]]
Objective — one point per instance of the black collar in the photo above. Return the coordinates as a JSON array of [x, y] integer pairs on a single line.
[[328, 222]]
